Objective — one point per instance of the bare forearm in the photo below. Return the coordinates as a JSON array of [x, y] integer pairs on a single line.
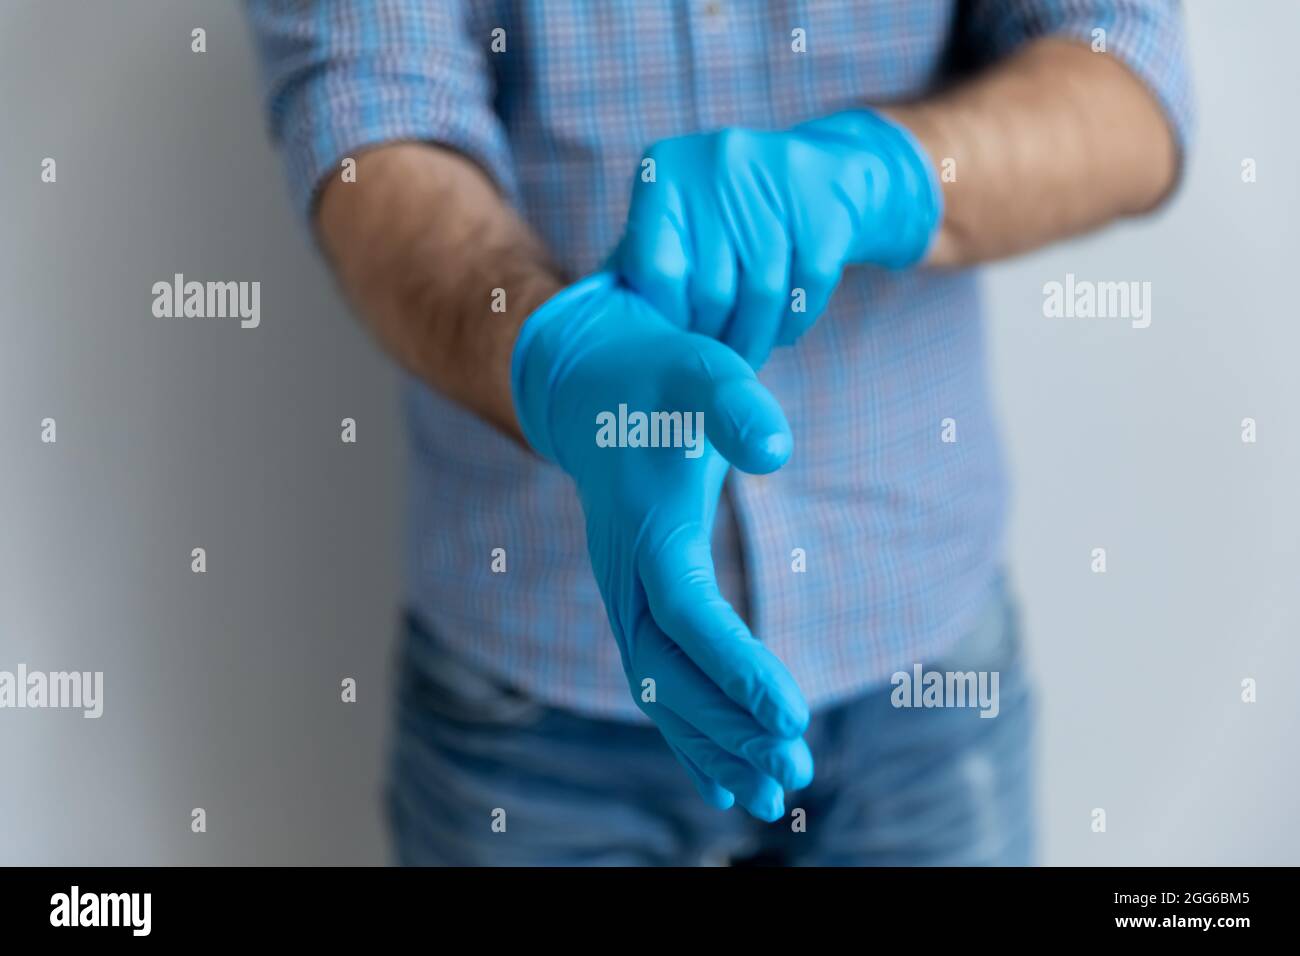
[[420, 243], [1055, 141]]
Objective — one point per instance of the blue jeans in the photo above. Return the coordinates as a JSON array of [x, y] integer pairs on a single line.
[[894, 786]]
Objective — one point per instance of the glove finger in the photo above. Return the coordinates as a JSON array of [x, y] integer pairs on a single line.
[[713, 793], [821, 251], [682, 688], [713, 273], [763, 287], [755, 791], [741, 418], [687, 606], [654, 254]]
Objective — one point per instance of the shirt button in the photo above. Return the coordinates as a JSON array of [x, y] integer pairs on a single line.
[[713, 14]]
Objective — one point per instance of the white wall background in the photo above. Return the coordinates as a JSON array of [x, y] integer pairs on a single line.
[[224, 687]]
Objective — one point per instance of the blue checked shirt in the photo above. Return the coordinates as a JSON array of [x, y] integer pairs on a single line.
[[901, 530]]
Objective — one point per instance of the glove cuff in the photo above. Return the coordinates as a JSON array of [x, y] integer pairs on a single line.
[[924, 195], [907, 198], [538, 357]]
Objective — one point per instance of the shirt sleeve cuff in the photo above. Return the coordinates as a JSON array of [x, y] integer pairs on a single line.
[[1147, 36], [337, 115], [1152, 48]]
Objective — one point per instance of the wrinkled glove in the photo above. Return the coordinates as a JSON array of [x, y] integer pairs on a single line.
[[727, 706], [736, 220]]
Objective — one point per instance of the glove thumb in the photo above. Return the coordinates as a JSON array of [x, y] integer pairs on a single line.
[[742, 419]]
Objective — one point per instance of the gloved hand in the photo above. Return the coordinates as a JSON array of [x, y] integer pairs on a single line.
[[736, 220], [596, 352]]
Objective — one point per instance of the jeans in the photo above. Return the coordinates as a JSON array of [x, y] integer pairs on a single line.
[[482, 776]]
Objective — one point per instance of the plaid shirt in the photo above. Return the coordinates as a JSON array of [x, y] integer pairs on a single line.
[[901, 530]]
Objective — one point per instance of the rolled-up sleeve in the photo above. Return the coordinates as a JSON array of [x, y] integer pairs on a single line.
[[343, 75], [1145, 35]]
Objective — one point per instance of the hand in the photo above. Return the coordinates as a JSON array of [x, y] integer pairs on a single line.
[[735, 221], [585, 364]]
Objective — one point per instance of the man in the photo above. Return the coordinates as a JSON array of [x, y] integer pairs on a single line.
[[584, 228]]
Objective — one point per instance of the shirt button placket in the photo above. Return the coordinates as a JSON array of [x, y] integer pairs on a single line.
[[709, 39]]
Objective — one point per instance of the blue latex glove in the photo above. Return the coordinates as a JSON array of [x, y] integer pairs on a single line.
[[728, 707], [736, 220]]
